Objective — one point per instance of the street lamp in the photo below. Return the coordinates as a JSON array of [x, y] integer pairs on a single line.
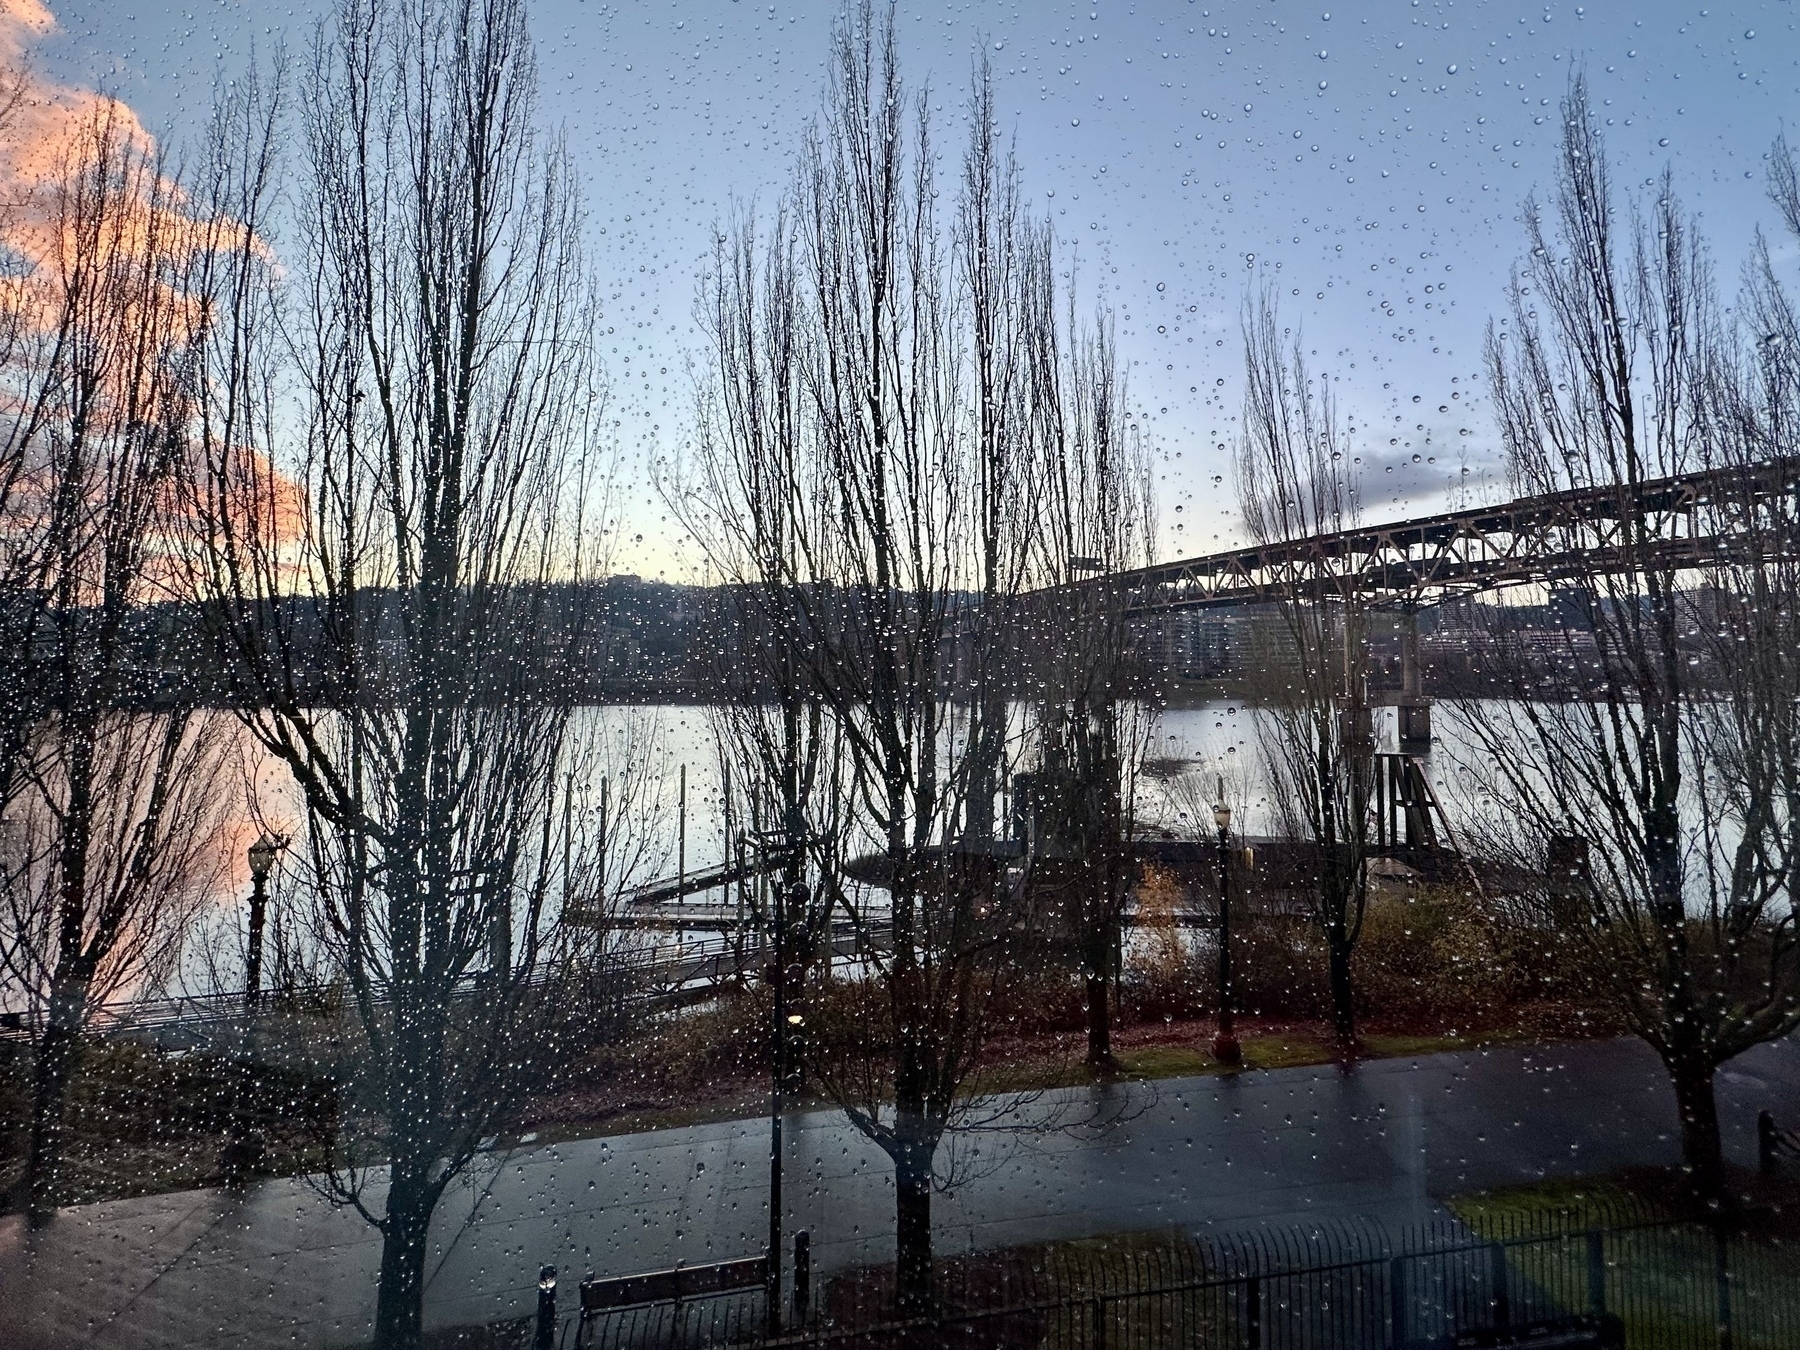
[[243, 1149], [262, 860], [790, 896], [1225, 1045], [545, 1337]]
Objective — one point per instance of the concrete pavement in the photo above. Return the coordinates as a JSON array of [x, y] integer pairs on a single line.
[[1382, 1142]]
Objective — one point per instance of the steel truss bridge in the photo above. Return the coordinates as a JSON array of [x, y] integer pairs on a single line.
[[1674, 522], [1413, 563]]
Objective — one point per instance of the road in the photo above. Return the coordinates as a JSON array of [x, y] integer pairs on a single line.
[[1383, 1142]]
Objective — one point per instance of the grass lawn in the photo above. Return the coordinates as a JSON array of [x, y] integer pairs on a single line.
[[1661, 1251], [144, 1122], [1145, 1052]]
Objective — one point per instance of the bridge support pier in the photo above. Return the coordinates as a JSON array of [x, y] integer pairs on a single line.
[[1412, 707], [1415, 727]]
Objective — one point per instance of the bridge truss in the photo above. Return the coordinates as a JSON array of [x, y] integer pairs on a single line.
[[1413, 563], [1673, 522]]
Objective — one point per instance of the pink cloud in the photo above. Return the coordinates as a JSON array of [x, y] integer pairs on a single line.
[[50, 135]]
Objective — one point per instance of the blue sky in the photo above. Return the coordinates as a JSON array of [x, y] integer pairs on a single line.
[[1366, 161]]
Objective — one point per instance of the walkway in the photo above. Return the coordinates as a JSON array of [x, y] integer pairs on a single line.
[[280, 1266]]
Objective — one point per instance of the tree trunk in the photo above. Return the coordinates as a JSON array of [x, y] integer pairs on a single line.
[[56, 1058], [1099, 1021], [985, 771], [1700, 1148], [912, 1230], [400, 1295], [1343, 1002]]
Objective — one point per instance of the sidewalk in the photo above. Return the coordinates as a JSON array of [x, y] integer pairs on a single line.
[[1383, 1142]]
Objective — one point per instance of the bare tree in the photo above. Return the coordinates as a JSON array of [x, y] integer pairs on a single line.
[[743, 500], [1671, 775], [112, 782], [396, 559], [862, 483], [1093, 721], [26, 344], [902, 526], [994, 261], [1295, 481], [869, 480]]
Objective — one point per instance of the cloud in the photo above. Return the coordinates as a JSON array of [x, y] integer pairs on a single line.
[[21, 21], [48, 129], [47, 119], [52, 137]]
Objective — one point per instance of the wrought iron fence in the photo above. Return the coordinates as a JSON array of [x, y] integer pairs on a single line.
[[1641, 1286]]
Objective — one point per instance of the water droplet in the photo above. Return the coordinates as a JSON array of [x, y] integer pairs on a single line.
[[1162, 286], [1451, 68], [1663, 141], [1074, 121], [1000, 45], [1749, 32]]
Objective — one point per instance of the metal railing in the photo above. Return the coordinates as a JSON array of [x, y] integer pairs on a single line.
[[1659, 1286], [652, 979]]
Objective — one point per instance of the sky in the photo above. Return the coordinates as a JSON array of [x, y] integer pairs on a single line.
[[1365, 162]]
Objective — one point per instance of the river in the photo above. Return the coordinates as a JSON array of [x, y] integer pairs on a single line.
[[668, 753]]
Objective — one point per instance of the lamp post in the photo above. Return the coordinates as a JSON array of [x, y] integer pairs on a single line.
[[1225, 1045], [545, 1335], [790, 899], [242, 1147], [262, 860], [777, 1081]]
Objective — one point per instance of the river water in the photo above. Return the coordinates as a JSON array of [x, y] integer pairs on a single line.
[[667, 758]]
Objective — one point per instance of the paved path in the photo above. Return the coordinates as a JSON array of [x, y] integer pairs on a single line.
[[1382, 1142]]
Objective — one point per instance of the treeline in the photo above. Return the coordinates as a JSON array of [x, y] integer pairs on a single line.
[[1473, 648], [614, 640]]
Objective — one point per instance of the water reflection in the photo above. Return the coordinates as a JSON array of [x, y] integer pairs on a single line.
[[681, 817]]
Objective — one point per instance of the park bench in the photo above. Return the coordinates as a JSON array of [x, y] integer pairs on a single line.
[[678, 1284]]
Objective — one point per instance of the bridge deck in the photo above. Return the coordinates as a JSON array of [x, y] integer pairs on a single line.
[[1434, 558]]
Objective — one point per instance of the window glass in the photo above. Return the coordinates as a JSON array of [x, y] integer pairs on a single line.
[[1072, 674]]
